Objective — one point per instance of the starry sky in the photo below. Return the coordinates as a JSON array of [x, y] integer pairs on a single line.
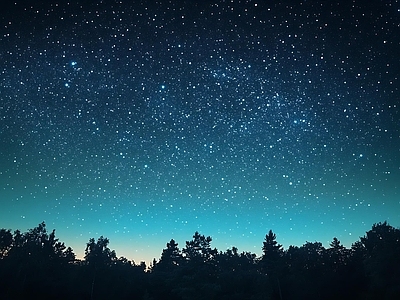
[[149, 120]]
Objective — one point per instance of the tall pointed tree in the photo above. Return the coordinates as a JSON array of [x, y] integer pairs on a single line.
[[337, 254], [272, 261], [272, 253], [171, 257]]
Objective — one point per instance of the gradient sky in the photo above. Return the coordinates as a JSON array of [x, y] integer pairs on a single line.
[[151, 121]]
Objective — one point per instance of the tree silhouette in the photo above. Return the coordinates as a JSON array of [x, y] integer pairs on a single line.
[[171, 257], [38, 247], [6, 240], [98, 256], [33, 255], [199, 249], [272, 253], [35, 264], [337, 254], [382, 259], [197, 277], [271, 262], [237, 274], [313, 255]]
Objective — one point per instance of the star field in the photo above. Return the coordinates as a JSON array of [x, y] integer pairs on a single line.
[[150, 121]]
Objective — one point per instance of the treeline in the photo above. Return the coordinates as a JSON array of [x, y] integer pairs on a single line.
[[36, 265]]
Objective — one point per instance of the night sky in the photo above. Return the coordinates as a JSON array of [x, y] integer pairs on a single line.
[[150, 121]]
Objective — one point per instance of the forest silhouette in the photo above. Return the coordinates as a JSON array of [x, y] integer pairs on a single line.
[[36, 265]]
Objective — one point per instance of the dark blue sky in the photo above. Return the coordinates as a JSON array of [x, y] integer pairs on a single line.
[[148, 122]]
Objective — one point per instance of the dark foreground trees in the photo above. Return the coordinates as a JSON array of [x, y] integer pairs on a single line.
[[35, 264]]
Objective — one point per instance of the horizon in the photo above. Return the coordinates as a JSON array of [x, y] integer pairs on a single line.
[[79, 248]]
